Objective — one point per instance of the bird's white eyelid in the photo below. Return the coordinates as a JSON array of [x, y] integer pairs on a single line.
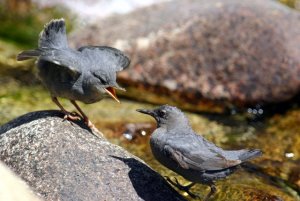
[[57, 62]]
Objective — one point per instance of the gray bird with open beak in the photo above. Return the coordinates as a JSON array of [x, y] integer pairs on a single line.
[[87, 74], [175, 145]]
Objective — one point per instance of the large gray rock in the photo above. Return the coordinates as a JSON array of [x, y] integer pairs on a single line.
[[64, 161], [190, 51]]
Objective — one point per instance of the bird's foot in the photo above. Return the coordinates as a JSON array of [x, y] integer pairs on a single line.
[[89, 123], [83, 115], [213, 190], [183, 188], [73, 116]]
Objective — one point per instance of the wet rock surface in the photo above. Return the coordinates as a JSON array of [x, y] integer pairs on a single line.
[[61, 160], [191, 52]]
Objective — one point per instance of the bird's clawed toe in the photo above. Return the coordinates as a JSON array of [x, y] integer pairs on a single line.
[[213, 190], [89, 123], [72, 116], [183, 188]]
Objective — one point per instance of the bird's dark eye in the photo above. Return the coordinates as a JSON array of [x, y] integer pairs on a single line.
[[101, 77], [162, 113], [102, 80]]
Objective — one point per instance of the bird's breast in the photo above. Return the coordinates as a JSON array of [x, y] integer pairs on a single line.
[[158, 141]]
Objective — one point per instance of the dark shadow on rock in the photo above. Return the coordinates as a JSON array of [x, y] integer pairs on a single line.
[[35, 116], [148, 188]]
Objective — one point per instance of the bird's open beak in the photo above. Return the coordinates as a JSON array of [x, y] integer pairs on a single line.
[[112, 92], [149, 112]]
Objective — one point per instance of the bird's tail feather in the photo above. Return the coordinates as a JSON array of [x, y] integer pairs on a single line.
[[28, 54], [54, 35], [249, 154]]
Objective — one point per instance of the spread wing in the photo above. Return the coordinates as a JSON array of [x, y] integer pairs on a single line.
[[106, 57], [54, 35], [67, 60], [198, 154]]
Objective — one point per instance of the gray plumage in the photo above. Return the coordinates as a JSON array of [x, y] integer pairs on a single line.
[[175, 145], [87, 74]]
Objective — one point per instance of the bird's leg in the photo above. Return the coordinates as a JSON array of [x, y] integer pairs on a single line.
[[68, 115], [183, 188], [85, 118], [213, 189]]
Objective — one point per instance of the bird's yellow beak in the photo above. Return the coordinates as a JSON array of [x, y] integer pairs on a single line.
[[112, 92]]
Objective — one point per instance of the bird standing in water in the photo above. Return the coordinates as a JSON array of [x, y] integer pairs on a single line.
[[175, 145], [87, 74]]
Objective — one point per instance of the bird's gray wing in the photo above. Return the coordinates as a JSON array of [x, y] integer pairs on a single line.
[[198, 154], [66, 59], [106, 57], [54, 35], [176, 156]]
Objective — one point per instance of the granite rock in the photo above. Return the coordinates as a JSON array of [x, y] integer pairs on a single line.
[[62, 160]]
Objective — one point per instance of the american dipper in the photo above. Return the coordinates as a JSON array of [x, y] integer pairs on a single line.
[[175, 145], [87, 74]]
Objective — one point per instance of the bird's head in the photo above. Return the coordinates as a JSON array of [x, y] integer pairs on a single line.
[[166, 116], [106, 82], [104, 63]]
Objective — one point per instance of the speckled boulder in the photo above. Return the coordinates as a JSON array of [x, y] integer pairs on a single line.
[[64, 161], [191, 51]]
